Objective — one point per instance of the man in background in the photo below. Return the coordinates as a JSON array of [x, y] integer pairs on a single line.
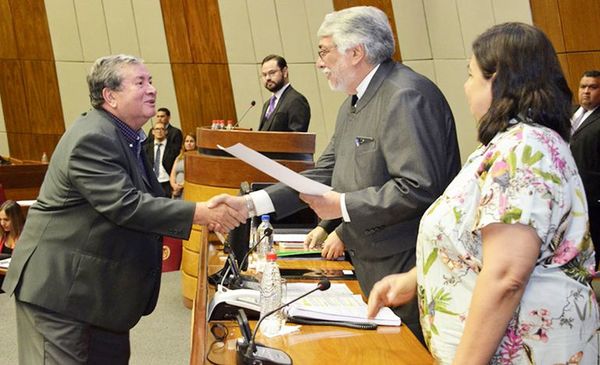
[[162, 154], [585, 146], [286, 110], [174, 135], [393, 152], [88, 262]]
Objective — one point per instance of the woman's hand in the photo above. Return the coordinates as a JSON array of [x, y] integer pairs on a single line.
[[391, 291]]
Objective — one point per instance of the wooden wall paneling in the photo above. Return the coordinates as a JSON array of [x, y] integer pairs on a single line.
[[14, 103], [385, 6], [31, 146], [580, 19], [186, 79], [216, 94], [176, 31], [546, 15], [578, 63], [45, 114], [205, 31], [198, 61], [32, 31], [7, 32], [564, 65]]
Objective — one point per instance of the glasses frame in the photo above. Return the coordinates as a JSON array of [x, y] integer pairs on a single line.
[[324, 52]]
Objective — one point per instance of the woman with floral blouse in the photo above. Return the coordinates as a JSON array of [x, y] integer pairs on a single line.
[[504, 256]]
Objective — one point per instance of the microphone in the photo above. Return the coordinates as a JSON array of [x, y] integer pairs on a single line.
[[252, 104], [268, 232], [259, 354]]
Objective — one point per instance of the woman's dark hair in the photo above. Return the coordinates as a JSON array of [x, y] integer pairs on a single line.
[[12, 209], [528, 82]]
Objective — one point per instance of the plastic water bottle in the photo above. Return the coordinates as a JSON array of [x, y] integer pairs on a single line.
[[270, 296], [265, 243]]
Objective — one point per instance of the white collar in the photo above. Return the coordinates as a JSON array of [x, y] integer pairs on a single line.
[[279, 92], [362, 87]]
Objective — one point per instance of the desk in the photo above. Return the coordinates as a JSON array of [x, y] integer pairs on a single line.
[[312, 344]]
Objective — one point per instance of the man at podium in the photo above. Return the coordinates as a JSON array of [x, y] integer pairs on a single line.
[[286, 110]]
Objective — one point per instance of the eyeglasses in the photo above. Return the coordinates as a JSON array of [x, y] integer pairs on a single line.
[[158, 129], [324, 52], [270, 74]]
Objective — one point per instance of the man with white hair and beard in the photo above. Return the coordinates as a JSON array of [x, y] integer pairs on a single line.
[[393, 152]]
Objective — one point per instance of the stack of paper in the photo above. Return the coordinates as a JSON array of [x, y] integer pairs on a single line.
[[336, 304]]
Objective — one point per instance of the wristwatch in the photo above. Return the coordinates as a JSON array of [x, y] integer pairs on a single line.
[[250, 206]]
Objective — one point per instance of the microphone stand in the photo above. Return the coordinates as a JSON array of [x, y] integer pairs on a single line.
[[237, 280], [268, 232], [252, 104], [253, 353]]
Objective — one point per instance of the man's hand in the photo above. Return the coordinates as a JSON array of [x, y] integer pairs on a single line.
[[221, 218], [315, 238], [326, 206], [391, 291], [333, 247], [237, 203]]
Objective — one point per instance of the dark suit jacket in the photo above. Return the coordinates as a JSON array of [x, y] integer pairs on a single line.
[[91, 247], [174, 137], [169, 156], [292, 113], [585, 146], [392, 154]]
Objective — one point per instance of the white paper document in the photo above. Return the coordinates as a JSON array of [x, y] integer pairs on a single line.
[[5, 263], [276, 170], [336, 304]]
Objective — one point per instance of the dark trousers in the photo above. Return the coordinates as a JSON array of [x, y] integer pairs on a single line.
[[166, 188], [47, 337]]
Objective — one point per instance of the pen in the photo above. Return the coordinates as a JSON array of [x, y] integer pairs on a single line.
[[361, 140]]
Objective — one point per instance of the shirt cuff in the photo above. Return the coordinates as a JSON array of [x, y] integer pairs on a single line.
[[345, 214], [262, 202]]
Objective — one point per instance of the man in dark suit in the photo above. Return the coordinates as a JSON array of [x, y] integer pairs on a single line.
[[88, 262], [286, 110], [393, 152], [166, 153], [585, 145], [174, 135]]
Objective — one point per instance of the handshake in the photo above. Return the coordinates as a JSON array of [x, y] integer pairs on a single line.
[[222, 213]]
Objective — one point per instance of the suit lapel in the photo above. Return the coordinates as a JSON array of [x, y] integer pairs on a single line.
[[382, 72], [266, 124], [593, 118]]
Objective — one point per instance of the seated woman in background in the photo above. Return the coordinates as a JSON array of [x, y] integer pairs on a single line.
[[504, 256], [11, 222], [177, 173]]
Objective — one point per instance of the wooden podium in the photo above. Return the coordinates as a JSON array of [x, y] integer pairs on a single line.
[[211, 171], [22, 179]]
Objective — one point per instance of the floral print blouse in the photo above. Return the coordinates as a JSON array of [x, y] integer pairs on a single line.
[[525, 175]]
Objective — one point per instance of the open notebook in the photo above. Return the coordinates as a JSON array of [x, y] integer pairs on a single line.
[[336, 304]]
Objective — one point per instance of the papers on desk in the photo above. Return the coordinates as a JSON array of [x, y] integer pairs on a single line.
[[4, 263], [336, 304], [276, 170]]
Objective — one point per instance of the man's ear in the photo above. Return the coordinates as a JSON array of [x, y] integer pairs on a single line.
[[358, 54], [109, 97], [284, 71]]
